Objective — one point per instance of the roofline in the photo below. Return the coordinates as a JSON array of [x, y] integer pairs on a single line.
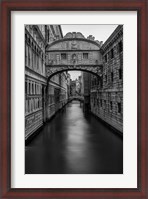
[[61, 30], [119, 27], [70, 39]]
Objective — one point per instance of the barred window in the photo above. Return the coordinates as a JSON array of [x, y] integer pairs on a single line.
[[105, 58], [85, 55], [111, 105], [119, 107], [112, 53], [120, 73], [25, 87], [120, 46], [63, 56], [112, 77]]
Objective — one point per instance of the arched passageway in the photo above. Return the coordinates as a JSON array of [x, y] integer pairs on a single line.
[[71, 53], [65, 93], [74, 52]]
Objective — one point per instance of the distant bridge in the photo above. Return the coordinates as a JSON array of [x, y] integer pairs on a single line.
[[79, 98]]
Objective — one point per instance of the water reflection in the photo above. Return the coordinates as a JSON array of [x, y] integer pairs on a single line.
[[75, 143]]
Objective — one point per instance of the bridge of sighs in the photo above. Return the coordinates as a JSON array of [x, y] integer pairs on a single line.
[[74, 52]]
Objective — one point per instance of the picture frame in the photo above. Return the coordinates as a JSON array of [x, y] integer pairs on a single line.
[[5, 104]]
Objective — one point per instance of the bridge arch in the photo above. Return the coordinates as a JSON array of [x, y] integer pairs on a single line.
[[74, 52], [99, 75]]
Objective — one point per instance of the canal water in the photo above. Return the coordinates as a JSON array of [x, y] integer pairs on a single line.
[[74, 142]]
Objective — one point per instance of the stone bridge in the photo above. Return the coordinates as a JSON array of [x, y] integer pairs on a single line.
[[74, 52], [80, 98]]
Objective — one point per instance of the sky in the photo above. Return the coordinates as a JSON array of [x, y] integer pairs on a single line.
[[100, 32], [74, 74]]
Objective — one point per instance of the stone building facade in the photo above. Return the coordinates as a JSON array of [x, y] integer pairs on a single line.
[[57, 95], [35, 79], [40, 104], [72, 88], [86, 83], [74, 52], [47, 88], [107, 91]]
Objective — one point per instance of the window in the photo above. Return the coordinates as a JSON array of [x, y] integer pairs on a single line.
[[48, 33], [105, 78], [29, 56], [105, 58], [119, 107], [120, 73], [25, 87], [63, 56], [74, 56], [32, 89], [37, 62], [85, 55], [28, 106], [112, 77], [120, 46], [112, 53], [101, 102], [101, 82], [38, 103], [26, 54], [104, 104], [111, 106]]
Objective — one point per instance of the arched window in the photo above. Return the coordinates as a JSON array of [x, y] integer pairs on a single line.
[[32, 89], [34, 104], [28, 56], [26, 106], [35, 88], [25, 87], [41, 89], [38, 103], [30, 105], [29, 90]]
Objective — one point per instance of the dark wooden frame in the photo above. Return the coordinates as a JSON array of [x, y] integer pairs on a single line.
[[7, 6]]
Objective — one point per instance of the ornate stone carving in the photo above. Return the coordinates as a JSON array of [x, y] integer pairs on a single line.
[[51, 70]]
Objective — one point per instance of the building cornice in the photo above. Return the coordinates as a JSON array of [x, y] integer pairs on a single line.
[[56, 84], [34, 40], [112, 38], [73, 50], [39, 31], [71, 39], [33, 74], [61, 30]]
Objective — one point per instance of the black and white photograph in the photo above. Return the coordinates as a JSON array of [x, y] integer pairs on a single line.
[[73, 99]]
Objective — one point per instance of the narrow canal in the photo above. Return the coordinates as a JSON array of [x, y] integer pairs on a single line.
[[75, 143]]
